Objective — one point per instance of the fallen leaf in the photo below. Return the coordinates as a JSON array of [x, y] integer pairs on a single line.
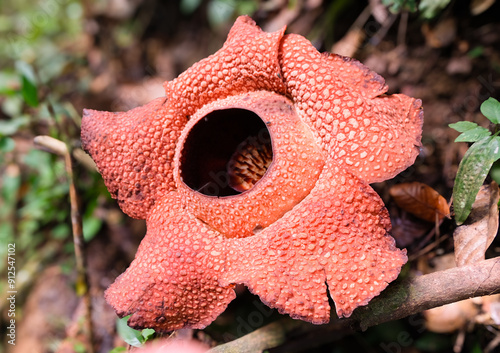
[[458, 315], [479, 6], [350, 43], [450, 317], [420, 200], [440, 35], [475, 236], [491, 309]]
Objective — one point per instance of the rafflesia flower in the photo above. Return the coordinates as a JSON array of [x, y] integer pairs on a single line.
[[254, 169]]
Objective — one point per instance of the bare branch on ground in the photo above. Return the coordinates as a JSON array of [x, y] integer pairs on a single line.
[[399, 300]]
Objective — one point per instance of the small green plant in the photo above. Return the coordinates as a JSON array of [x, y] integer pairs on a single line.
[[478, 160], [133, 337]]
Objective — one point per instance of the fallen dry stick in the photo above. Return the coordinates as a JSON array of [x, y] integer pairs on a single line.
[[401, 299], [429, 291], [58, 147]]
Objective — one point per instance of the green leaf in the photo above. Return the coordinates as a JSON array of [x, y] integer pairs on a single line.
[[11, 183], [10, 127], [495, 172], [6, 144], [118, 350], [8, 83], [430, 8], [147, 333], [61, 231], [397, 6], [473, 135], [463, 126], [491, 109], [79, 347], [476, 52], [25, 70], [495, 148], [128, 334], [189, 6], [244, 7], [28, 83], [220, 11], [29, 92], [471, 174], [477, 348], [91, 226]]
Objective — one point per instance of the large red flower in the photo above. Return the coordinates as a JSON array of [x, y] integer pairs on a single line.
[[254, 169]]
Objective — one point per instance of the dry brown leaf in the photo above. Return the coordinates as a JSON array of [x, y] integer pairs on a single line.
[[490, 306], [442, 34], [456, 316], [350, 43], [479, 6], [420, 200], [475, 236], [450, 317]]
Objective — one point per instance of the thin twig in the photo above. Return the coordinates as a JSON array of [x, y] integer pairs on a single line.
[[55, 146], [381, 33], [421, 248], [403, 24]]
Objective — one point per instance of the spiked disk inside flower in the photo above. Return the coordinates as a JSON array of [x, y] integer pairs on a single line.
[[249, 163]]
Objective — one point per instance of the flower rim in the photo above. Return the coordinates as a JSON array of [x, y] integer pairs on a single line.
[[278, 191]]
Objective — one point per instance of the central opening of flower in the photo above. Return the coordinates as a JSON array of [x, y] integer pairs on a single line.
[[226, 153]]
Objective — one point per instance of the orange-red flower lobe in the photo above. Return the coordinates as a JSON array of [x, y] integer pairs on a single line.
[[254, 170]]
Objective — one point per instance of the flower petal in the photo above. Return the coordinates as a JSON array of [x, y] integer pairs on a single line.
[[374, 136], [134, 151], [337, 234], [172, 283], [247, 62]]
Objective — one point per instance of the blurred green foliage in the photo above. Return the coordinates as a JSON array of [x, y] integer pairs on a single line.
[[41, 67], [428, 9], [35, 30], [397, 6], [221, 12]]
